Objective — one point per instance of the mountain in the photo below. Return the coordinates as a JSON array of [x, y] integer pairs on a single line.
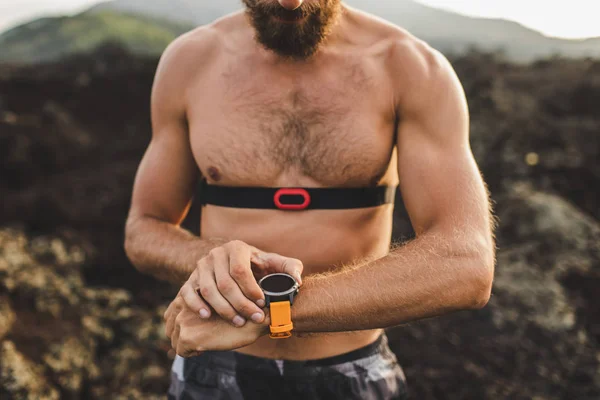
[[445, 30], [50, 38], [147, 27], [452, 32], [198, 12]]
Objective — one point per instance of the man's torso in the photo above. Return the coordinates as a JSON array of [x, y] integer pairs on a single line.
[[328, 122]]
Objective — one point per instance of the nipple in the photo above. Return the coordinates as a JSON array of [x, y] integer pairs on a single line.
[[214, 174], [291, 4]]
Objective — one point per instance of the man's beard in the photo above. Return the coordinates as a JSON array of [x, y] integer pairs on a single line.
[[298, 40]]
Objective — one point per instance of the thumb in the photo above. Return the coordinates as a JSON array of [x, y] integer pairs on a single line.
[[274, 263]]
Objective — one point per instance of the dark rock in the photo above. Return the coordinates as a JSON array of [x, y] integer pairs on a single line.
[[78, 321], [65, 337], [537, 333], [7, 316], [20, 378]]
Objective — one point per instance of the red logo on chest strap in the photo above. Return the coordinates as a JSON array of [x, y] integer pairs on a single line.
[[292, 192]]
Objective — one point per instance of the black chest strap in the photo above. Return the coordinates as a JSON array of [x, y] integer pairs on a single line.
[[297, 199]]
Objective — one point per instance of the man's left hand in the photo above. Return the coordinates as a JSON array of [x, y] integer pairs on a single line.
[[191, 335]]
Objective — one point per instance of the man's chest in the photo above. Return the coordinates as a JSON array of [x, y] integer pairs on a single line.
[[258, 128]]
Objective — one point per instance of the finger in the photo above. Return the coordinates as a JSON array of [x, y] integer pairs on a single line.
[[275, 263], [241, 272], [167, 312], [187, 353], [170, 325], [185, 343], [174, 304], [234, 296], [175, 336], [172, 312], [211, 294], [202, 266], [207, 286], [194, 301]]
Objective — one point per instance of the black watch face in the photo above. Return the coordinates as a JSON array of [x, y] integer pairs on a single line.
[[277, 283]]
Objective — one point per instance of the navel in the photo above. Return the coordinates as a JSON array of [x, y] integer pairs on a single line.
[[214, 174]]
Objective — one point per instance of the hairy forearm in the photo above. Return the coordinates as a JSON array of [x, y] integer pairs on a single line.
[[163, 250], [429, 276]]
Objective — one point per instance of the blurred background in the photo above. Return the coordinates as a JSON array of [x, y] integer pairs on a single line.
[[77, 321]]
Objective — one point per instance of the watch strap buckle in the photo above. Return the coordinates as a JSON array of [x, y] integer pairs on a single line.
[[281, 320]]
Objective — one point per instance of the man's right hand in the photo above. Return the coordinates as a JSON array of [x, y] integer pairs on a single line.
[[226, 280]]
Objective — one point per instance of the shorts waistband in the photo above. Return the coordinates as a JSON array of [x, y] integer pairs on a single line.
[[230, 361], [376, 347]]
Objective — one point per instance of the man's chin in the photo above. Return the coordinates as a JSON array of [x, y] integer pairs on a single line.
[[295, 36], [289, 44], [285, 21]]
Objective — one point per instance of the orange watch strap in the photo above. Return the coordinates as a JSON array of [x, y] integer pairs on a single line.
[[281, 320]]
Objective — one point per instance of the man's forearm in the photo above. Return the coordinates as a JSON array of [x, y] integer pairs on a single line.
[[430, 276], [163, 250]]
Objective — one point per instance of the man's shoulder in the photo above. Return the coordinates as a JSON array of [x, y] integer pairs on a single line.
[[404, 53], [416, 71], [201, 45], [192, 46]]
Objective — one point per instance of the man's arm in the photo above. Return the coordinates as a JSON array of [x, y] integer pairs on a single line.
[[221, 270], [165, 182], [449, 266]]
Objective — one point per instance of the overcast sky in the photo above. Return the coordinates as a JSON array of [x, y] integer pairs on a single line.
[[572, 19]]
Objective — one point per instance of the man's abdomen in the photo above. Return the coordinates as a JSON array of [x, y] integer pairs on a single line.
[[324, 240], [321, 239]]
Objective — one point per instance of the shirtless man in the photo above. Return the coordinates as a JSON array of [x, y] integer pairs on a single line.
[[307, 94]]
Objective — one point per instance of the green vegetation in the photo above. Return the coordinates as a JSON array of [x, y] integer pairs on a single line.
[[51, 38]]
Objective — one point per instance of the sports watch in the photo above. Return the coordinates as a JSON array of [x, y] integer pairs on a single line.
[[280, 291]]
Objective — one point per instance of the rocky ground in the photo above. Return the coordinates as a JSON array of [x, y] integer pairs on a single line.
[[78, 322]]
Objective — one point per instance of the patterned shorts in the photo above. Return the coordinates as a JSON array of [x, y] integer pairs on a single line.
[[368, 373]]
